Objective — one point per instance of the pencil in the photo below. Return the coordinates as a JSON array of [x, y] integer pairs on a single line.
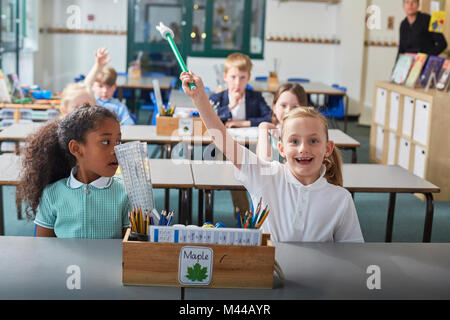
[[263, 218]]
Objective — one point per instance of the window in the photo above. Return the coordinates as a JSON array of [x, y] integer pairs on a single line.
[[220, 27], [202, 28]]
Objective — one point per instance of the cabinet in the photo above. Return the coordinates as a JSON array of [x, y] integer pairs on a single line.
[[411, 128]]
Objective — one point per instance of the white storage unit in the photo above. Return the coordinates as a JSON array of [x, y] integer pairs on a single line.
[[411, 128]]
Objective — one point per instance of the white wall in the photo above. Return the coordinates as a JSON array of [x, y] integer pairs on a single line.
[[62, 57], [379, 61], [329, 64]]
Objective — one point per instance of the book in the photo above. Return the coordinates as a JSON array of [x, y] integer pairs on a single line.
[[416, 70], [437, 21], [4, 92], [402, 67], [433, 66], [444, 76], [16, 88]]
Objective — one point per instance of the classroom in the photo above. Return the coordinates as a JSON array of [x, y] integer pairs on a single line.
[[314, 132]]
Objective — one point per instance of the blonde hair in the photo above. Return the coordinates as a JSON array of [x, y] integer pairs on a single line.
[[71, 92], [108, 76], [240, 61], [297, 90], [333, 163]]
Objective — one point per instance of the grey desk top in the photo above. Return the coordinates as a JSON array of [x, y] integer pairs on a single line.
[[164, 173], [340, 271], [384, 178], [143, 82], [35, 268], [219, 175], [18, 131], [9, 169], [144, 133]]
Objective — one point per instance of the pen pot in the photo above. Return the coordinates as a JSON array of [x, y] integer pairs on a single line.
[[134, 236]]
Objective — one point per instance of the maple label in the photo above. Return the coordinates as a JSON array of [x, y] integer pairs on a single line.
[[195, 267]]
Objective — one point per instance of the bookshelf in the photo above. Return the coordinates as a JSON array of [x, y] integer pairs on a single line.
[[410, 128]]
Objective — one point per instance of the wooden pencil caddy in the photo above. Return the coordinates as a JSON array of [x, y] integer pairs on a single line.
[[273, 81], [157, 264], [134, 73], [169, 126]]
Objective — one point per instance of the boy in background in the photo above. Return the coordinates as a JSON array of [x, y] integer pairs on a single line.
[[104, 88], [239, 106]]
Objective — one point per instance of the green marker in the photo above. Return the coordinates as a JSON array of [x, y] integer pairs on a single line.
[[167, 33]]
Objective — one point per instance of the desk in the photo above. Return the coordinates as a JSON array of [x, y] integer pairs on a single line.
[[143, 133], [36, 268], [310, 88], [124, 82], [9, 176], [35, 106], [316, 271], [168, 174], [165, 174], [214, 175]]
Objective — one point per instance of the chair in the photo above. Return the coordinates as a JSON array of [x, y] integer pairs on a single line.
[[127, 93], [335, 108], [154, 74], [81, 77], [301, 80], [261, 78]]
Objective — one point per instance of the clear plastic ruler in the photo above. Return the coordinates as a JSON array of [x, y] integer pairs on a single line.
[[135, 170]]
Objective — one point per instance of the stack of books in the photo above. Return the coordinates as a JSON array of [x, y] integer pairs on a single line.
[[421, 70]]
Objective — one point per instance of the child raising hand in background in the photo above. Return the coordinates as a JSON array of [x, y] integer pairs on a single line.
[[305, 195], [80, 93]]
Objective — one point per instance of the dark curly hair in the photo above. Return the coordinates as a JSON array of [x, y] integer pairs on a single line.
[[47, 159]]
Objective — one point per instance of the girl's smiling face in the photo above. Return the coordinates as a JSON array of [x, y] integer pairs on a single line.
[[285, 103], [304, 145]]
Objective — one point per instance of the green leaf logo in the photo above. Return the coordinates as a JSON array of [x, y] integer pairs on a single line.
[[197, 273]]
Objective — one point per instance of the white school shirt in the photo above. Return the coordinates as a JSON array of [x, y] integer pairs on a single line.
[[238, 113], [319, 212]]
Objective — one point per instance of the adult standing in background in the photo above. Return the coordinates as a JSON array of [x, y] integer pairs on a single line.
[[414, 34]]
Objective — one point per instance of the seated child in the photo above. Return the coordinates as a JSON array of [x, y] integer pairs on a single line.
[[104, 88], [287, 97], [67, 181], [305, 195], [239, 106]]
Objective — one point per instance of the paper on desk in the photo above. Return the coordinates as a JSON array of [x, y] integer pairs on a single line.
[[251, 132]]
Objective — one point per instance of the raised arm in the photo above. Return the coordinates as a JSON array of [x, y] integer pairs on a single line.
[[263, 147], [101, 60], [229, 147]]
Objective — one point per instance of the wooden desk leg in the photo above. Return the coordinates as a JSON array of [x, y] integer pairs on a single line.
[[390, 218], [200, 207], [354, 155], [168, 151], [209, 214], [167, 199], [189, 206], [428, 218], [183, 206], [19, 211], [2, 222], [345, 112]]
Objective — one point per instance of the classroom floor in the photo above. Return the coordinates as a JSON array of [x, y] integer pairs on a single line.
[[372, 208]]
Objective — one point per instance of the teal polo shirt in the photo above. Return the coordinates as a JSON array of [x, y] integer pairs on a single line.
[[98, 210]]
